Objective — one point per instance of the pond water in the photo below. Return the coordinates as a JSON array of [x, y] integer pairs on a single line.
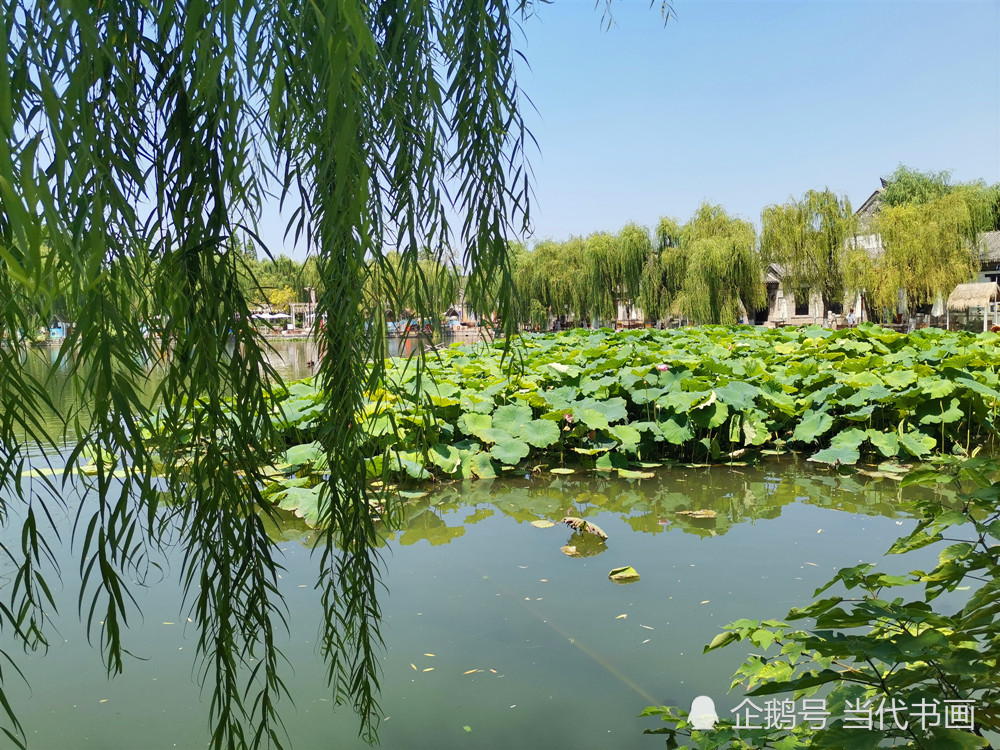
[[564, 657]]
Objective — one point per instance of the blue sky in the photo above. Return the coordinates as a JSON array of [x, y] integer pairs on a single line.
[[748, 103]]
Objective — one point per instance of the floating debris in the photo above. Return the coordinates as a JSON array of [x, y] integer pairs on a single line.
[[585, 526], [627, 574], [701, 513]]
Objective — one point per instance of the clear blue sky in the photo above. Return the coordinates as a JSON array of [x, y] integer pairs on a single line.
[[748, 103]]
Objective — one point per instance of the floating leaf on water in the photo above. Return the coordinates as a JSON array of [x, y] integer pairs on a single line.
[[467, 728], [431, 655], [701, 513], [585, 526], [169, 623], [621, 617], [629, 474], [646, 626], [471, 671], [646, 641], [706, 601], [429, 669], [813, 564], [494, 671], [414, 667], [542, 524], [627, 574], [561, 470]]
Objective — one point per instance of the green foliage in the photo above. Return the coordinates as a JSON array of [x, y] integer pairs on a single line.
[[807, 238], [139, 141], [607, 399], [724, 275], [884, 644]]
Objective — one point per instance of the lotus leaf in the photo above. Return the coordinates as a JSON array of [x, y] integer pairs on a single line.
[[509, 451]]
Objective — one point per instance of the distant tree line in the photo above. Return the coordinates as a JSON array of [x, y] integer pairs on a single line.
[[922, 239]]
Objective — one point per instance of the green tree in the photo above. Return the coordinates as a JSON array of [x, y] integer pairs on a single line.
[[144, 137], [664, 272], [808, 239], [724, 277], [929, 236]]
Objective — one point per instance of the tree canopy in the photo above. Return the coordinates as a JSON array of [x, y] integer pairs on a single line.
[[137, 142], [808, 238]]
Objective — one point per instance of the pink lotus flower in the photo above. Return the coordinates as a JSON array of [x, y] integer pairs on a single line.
[[568, 417], [663, 368]]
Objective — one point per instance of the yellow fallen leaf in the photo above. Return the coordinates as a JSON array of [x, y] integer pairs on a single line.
[[819, 531], [429, 669], [103, 701], [169, 623], [543, 580], [621, 617], [431, 655], [414, 666], [706, 601], [470, 671], [494, 671]]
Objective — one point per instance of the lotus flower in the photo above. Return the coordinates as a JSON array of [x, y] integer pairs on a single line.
[[662, 367]]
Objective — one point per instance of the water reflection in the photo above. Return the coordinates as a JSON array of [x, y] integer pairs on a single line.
[[675, 500], [654, 506]]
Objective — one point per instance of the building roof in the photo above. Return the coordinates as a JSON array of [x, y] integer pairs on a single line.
[[973, 295], [989, 244]]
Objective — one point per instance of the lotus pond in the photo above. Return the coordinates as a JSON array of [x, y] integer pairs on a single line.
[[718, 461], [494, 636]]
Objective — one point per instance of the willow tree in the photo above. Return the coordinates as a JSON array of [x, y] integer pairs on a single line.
[[928, 232], [663, 273], [616, 264], [143, 137], [927, 249], [724, 275], [808, 238], [556, 275]]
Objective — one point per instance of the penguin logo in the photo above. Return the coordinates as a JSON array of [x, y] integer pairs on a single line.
[[702, 714]]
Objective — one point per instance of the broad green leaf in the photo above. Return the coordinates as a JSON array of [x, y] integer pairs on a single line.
[[540, 433], [813, 425], [509, 451], [511, 418]]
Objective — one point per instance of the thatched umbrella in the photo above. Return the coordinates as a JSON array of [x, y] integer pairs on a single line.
[[982, 294]]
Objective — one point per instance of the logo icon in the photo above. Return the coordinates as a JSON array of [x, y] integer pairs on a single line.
[[702, 714]]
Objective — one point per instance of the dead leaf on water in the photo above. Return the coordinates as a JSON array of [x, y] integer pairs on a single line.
[[561, 470], [414, 667], [570, 550], [105, 700], [646, 626], [542, 524], [646, 641], [706, 601], [813, 564], [585, 526], [494, 671], [429, 669], [621, 617], [169, 623], [700, 513], [470, 671], [819, 531], [431, 655]]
